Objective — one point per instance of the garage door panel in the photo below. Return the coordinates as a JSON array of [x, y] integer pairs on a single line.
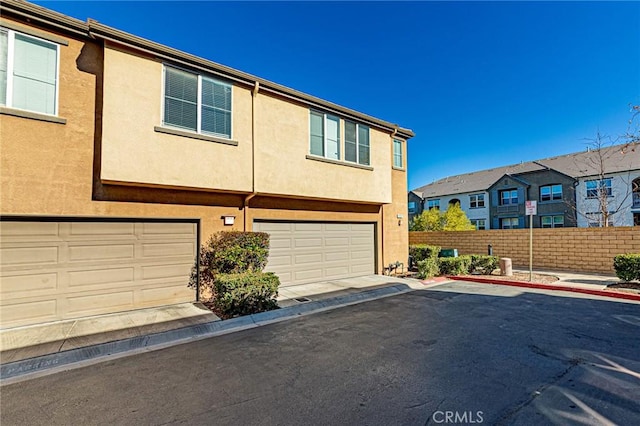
[[26, 229], [179, 270], [92, 229], [107, 252], [313, 258], [308, 275], [335, 241], [99, 303], [92, 268], [12, 315], [168, 249], [336, 255], [105, 278], [164, 293], [23, 284], [186, 230], [318, 251], [29, 255], [303, 242]]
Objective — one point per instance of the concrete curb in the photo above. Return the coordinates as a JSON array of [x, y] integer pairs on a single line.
[[75, 358], [615, 295]]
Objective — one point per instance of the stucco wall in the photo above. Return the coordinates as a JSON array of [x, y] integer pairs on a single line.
[[569, 249], [282, 166], [133, 152]]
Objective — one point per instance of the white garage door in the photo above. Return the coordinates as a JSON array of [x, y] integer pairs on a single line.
[[59, 270], [304, 252]]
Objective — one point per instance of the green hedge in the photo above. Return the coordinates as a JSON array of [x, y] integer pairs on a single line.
[[455, 265], [484, 264], [627, 266], [246, 293], [428, 268], [419, 252]]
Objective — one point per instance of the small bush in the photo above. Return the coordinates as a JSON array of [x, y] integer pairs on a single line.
[[484, 264], [428, 268], [454, 265], [231, 252], [246, 293], [420, 252], [627, 266]]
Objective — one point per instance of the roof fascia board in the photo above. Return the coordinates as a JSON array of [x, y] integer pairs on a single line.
[[43, 16], [105, 32]]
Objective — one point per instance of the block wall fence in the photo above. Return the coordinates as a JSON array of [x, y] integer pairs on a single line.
[[569, 249]]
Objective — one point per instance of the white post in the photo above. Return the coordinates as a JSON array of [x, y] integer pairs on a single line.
[[530, 248], [531, 209]]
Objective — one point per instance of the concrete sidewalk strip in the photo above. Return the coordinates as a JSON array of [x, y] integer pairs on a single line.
[[78, 357]]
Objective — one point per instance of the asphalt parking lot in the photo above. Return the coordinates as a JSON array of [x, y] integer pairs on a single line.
[[459, 353]]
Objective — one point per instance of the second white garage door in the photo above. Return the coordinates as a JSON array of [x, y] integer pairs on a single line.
[[305, 252]]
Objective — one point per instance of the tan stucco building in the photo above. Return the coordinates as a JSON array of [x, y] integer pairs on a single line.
[[118, 156]]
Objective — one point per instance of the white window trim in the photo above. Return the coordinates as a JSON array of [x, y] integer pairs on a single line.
[[10, 63], [198, 130]]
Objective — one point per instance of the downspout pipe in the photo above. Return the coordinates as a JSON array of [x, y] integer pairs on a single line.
[[245, 204]]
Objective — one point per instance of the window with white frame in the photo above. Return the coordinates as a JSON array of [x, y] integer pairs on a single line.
[[476, 201], [550, 192], [28, 72], [356, 143], [433, 204], [555, 221], [397, 153], [197, 103], [509, 196], [509, 223], [480, 224], [412, 206], [597, 187], [325, 135]]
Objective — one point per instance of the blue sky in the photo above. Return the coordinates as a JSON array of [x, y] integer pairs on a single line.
[[482, 84]]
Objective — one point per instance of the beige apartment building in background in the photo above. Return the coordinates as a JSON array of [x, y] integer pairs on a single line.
[[120, 156]]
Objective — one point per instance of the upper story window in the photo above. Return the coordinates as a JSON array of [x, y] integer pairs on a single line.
[[412, 206], [397, 153], [508, 197], [550, 192], [433, 204], [476, 201], [325, 135], [356, 143], [28, 72], [597, 187], [325, 139], [197, 103]]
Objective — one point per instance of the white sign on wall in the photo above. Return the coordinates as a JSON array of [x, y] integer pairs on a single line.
[[531, 208]]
